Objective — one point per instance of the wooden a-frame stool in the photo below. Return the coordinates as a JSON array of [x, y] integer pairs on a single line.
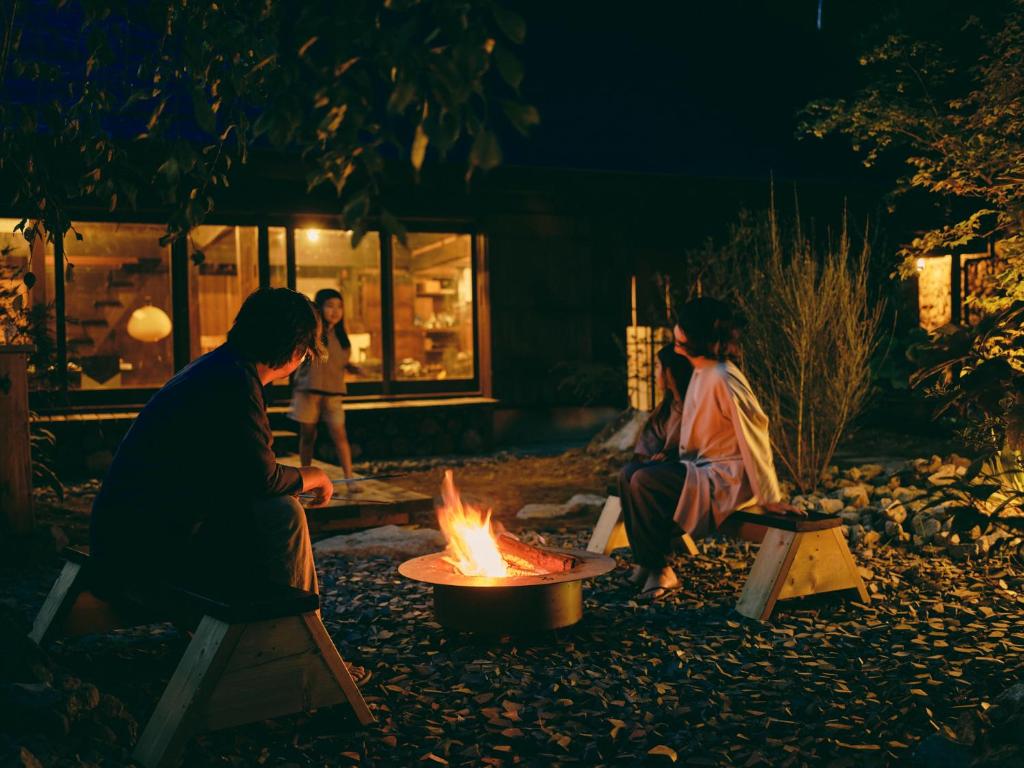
[[610, 532], [798, 556], [254, 656]]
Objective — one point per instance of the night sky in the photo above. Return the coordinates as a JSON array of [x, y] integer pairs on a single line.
[[708, 89]]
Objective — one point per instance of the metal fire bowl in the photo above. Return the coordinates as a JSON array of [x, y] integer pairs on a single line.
[[509, 605]]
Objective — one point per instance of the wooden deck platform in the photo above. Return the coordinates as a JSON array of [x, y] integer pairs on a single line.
[[367, 505]]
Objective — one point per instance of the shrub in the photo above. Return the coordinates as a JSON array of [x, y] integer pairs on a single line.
[[812, 329]]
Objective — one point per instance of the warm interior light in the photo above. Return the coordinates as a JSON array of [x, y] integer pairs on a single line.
[[313, 235], [934, 292], [149, 324], [472, 545], [920, 264]]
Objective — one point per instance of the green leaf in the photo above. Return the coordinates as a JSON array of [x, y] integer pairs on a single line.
[[204, 113], [154, 118], [359, 232], [509, 66], [511, 24], [486, 151], [522, 116], [419, 147], [401, 97], [443, 131], [392, 226]]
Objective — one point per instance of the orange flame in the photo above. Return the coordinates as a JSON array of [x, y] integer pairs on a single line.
[[472, 546]]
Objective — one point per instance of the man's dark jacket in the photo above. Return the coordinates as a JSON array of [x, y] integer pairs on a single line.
[[200, 448]]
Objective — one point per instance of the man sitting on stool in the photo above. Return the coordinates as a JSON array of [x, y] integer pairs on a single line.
[[194, 492]]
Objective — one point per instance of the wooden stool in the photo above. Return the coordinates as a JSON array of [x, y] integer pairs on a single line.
[[254, 656], [610, 531], [798, 556]]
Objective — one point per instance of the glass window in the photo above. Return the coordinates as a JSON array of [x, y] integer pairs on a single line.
[[118, 297], [278, 257], [325, 258], [433, 290], [27, 313], [15, 263], [220, 280]]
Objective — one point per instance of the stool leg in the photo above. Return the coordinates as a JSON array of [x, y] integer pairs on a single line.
[[689, 545], [62, 596], [774, 559], [334, 662], [609, 531], [193, 681]]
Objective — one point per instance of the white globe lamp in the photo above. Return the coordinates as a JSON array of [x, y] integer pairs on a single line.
[[149, 324]]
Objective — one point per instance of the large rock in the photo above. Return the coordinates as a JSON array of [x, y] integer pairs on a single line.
[[831, 506], [387, 541], [895, 512], [870, 471], [926, 527], [586, 502], [542, 511], [935, 751], [621, 434], [906, 493], [857, 496], [945, 475]]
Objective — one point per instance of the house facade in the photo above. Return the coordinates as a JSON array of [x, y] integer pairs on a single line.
[[503, 309]]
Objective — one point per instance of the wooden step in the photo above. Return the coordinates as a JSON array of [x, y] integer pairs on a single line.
[[286, 442]]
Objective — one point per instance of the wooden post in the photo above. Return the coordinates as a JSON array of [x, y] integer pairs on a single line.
[[16, 455]]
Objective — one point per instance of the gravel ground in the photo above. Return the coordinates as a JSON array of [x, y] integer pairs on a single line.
[[923, 674]]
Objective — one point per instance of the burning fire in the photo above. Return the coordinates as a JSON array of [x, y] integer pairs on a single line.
[[472, 545]]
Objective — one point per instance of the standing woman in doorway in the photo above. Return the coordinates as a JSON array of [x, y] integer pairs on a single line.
[[319, 389]]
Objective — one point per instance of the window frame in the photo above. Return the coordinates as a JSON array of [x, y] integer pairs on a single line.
[[62, 399]]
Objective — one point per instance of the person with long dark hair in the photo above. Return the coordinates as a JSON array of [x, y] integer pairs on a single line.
[[724, 453], [319, 389], [659, 439]]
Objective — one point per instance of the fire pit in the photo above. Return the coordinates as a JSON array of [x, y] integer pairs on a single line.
[[495, 583]]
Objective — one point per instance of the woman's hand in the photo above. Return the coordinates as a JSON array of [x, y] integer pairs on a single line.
[[782, 508], [659, 456]]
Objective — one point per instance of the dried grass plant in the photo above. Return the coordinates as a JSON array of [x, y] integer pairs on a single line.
[[812, 328]]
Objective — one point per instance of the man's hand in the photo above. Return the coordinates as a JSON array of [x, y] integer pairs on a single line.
[[316, 481], [782, 508], [659, 456]]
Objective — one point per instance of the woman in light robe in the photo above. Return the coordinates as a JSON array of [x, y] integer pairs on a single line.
[[724, 452]]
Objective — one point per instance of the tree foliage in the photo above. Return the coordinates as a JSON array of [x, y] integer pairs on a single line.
[[116, 103], [950, 107]]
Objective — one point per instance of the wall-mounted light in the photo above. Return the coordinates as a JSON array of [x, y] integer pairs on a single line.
[[313, 235]]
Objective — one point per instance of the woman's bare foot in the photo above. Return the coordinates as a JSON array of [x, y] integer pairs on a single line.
[[639, 575], [659, 583]]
